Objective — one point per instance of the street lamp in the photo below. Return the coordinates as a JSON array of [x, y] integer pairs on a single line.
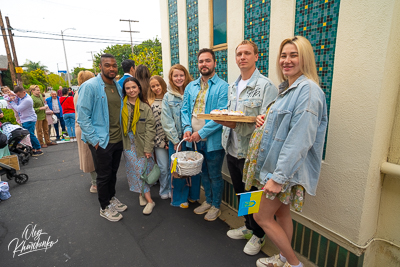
[[65, 53]]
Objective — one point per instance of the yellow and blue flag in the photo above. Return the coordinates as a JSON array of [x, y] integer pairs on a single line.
[[249, 202]]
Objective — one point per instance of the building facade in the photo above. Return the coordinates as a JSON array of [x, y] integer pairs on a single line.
[[353, 220]]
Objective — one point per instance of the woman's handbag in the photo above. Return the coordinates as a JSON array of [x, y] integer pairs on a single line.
[[152, 177]]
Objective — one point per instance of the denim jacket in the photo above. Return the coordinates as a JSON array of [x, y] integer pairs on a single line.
[[293, 139], [216, 98], [253, 101], [92, 109], [171, 115]]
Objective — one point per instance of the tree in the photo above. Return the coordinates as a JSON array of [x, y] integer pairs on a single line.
[[147, 53], [55, 81], [6, 78], [30, 66], [151, 59]]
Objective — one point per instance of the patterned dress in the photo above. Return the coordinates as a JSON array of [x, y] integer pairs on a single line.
[[134, 168], [293, 194]]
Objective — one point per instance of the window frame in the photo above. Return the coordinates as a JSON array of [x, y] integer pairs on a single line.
[[219, 46]]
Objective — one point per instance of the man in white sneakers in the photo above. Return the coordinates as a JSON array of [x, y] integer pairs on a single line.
[[99, 107], [251, 93]]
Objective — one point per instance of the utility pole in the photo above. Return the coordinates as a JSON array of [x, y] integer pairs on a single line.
[[94, 66], [19, 81], [10, 63], [130, 31], [65, 54]]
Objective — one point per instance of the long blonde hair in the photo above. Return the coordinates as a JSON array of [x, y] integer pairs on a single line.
[[151, 96], [306, 58], [188, 78]]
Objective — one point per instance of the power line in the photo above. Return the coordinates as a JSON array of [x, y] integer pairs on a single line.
[[74, 36], [71, 40]]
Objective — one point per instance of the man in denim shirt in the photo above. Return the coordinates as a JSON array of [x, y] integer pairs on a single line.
[[251, 93], [99, 109], [201, 96]]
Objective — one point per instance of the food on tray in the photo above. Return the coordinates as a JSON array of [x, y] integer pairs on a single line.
[[216, 112], [236, 113], [227, 112]]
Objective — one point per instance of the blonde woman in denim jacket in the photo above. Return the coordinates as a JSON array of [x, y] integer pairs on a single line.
[[290, 149], [179, 78]]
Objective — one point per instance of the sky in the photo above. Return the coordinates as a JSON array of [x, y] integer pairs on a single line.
[[91, 19]]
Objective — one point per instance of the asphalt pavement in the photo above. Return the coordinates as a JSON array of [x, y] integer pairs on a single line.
[[53, 220]]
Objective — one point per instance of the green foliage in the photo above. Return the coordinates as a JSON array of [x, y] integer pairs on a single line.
[[147, 53], [55, 81], [151, 59], [8, 116], [30, 66], [6, 78]]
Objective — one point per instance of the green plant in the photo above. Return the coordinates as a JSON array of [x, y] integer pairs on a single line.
[[8, 116]]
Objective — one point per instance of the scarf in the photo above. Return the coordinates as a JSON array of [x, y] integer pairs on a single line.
[[125, 115]]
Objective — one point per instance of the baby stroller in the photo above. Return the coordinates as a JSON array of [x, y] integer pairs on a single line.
[[15, 134], [9, 165]]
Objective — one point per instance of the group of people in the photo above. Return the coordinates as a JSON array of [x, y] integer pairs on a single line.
[[147, 119]]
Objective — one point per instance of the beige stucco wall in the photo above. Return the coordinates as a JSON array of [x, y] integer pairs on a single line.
[[165, 41], [361, 118], [183, 36]]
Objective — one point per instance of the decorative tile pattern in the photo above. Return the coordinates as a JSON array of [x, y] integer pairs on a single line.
[[173, 31], [318, 21], [193, 36], [222, 64], [256, 29]]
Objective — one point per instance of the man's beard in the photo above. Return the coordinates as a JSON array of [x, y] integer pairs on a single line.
[[207, 73], [108, 77]]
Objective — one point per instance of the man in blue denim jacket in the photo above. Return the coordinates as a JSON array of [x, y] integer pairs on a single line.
[[201, 96], [251, 93], [99, 116]]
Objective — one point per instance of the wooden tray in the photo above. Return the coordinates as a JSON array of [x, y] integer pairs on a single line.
[[227, 118]]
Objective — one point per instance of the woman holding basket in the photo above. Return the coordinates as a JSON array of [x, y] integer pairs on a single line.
[[178, 78], [285, 151], [139, 130]]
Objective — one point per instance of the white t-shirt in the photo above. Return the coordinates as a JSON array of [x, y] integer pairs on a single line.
[[233, 148]]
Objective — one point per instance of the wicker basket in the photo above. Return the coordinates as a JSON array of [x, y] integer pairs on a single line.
[[188, 163]]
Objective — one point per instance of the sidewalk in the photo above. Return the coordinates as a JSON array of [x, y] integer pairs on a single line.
[[57, 200]]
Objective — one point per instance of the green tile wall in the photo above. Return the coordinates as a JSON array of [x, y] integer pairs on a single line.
[[256, 29], [193, 36], [222, 64], [318, 21], [173, 31]]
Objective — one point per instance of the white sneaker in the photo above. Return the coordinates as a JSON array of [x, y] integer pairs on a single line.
[[203, 208], [240, 233], [142, 201], [254, 245], [149, 208], [271, 261], [110, 213], [165, 196], [118, 205]]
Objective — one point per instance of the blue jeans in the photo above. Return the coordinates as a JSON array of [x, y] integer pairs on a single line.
[[162, 162], [30, 126], [69, 119], [183, 189], [57, 125], [211, 176]]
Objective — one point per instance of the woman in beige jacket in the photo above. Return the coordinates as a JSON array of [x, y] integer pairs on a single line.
[[85, 157]]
